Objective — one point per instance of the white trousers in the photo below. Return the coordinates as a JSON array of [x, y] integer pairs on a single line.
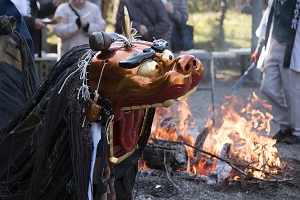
[[281, 88], [275, 84]]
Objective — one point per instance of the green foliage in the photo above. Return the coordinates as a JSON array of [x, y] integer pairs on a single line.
[[196, 6], [237, 28]]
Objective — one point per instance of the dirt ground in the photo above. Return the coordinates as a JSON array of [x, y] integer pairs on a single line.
[[154, 184]]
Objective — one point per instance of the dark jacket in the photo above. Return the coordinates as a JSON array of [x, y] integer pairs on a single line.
[[45, 10], [8, 8], [16, 86], [151, 13]]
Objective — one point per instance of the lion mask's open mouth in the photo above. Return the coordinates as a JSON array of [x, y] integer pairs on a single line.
[[147, 82]]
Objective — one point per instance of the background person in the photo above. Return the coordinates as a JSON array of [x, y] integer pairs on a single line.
[[178, 14], [33, 12], [82, 18], [149, 18], [281, 73], [18, 76]]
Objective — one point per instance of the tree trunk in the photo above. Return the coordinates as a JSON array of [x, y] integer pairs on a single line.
[[257, 11], [222, 18]]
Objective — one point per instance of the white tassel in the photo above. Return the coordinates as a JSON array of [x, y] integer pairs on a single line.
[[96, 137]]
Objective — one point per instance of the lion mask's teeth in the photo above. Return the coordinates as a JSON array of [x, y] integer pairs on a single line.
[[187, 94], [142, 107], [166, 103]]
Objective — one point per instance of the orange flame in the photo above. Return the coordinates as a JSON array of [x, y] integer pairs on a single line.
[[241, 126], [243, 133]]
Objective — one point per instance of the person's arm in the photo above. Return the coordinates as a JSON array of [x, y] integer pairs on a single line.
[[94, 22], [163, 24], [35, 22], [178, 14], [261, 33], [257, 52], [48, 8], [30, 21], [67, 29]]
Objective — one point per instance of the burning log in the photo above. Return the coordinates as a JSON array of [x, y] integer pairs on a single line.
[[161, 153], [199, 144], [200, 139], [273, 178], [222, 169]]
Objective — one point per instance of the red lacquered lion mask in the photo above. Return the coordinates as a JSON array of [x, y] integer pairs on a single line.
[[135, 78]]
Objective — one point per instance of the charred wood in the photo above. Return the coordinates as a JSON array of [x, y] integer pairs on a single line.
[[199, 144], [222, 169], [159, 153], [237, 167]]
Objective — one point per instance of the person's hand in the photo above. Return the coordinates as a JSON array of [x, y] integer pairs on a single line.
[[255, 56], [78, 22], [85, 26], [56, 2], [143, 30], [169, 7], [83, 23], [39, 24]]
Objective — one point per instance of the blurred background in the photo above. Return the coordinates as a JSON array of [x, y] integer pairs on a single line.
[[219, 24], [224, 34]]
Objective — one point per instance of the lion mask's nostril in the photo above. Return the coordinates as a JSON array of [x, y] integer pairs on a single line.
[[187, 67], [194, 62]]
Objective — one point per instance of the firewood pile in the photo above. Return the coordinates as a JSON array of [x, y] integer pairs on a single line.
[[172, 158]]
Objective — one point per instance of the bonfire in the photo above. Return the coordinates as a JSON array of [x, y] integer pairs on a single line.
[[233, 146]]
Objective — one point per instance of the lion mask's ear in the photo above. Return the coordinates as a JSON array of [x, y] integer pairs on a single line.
[[100, 41]]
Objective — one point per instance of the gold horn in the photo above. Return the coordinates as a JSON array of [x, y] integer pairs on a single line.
[[126, 24]]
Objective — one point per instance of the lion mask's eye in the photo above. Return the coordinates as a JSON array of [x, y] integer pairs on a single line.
[[148, 68], [167, 54]]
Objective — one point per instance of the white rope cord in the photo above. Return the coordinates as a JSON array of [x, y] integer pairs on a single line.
[[82, 65], [99, 80]]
